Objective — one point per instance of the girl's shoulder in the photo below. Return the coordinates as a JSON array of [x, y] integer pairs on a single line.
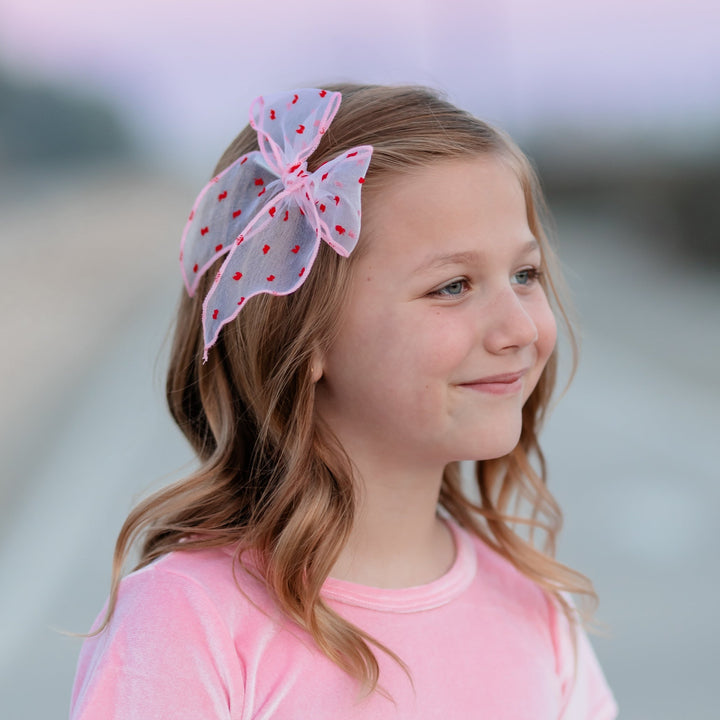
[[211, 568], [498, 582], [498, 579], [207, 579], [177, 620], [521, 603]]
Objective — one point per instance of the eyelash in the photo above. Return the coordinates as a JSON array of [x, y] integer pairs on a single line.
[[440, 292], [533, 275]]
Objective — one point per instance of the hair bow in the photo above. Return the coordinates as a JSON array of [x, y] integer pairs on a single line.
[[268, 214]]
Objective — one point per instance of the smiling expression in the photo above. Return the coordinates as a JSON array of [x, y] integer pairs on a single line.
[[447, 328]]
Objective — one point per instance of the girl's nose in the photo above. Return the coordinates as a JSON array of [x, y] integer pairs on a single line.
[[510, 324]]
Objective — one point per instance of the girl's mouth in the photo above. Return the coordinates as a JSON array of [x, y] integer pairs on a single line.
[[505, 384]]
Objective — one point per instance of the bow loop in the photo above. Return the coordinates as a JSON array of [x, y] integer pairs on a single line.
[[335, 190], [291, 125], [221, 212]]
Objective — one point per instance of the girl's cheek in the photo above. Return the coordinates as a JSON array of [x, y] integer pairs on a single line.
[[445, 339], [547, 333], [544, 345]]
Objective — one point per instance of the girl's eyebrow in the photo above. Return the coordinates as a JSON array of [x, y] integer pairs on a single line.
[[468, 257]]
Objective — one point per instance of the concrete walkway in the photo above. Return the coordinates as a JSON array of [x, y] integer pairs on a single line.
[[629, 448]]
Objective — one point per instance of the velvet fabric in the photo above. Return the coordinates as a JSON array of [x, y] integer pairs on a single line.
[[482, 641]]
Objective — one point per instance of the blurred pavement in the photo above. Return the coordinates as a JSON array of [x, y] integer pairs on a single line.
[[629, 450]]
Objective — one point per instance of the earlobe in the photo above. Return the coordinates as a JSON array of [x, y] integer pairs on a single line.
[[316, 366]]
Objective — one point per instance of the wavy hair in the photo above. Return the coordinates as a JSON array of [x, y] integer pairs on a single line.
[[273, 480]]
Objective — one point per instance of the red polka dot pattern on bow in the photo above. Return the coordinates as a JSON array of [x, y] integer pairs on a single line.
[[267, 214]]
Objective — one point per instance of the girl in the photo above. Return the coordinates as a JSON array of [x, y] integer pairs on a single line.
[[325, 560]]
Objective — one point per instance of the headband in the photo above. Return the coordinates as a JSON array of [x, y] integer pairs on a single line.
[[267, 214]]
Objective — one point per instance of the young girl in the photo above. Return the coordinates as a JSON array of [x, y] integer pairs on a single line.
[[326, 560]]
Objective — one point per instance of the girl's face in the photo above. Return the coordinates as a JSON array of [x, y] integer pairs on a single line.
[[447, 329]]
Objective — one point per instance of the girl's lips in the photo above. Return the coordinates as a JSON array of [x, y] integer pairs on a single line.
[[505, 384]]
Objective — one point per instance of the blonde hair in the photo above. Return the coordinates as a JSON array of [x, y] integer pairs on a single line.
[[271, 478]]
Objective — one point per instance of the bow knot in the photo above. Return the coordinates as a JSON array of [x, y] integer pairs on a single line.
[[295, 177]]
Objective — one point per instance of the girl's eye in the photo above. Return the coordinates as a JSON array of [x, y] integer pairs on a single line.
[[527, 276], [453, 289]]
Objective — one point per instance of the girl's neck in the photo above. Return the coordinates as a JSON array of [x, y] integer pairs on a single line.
[[397, 539]]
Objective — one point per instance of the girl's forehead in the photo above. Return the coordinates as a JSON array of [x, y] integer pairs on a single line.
[[456, 205], [431, 188], [447, 168]]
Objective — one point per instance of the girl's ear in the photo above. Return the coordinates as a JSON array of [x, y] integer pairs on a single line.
[[317, 365]]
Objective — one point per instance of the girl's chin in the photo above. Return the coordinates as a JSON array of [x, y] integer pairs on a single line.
[[494, 450]]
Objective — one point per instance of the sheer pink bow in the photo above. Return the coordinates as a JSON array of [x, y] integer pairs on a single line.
[[267, 213]]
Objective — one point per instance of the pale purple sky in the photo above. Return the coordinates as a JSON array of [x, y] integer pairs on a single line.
[[185, 71]]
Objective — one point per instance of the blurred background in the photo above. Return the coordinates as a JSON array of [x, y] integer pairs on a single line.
[[112, 116]]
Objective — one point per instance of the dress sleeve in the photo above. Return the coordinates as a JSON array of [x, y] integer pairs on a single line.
[[166, 654], [585, 692]]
